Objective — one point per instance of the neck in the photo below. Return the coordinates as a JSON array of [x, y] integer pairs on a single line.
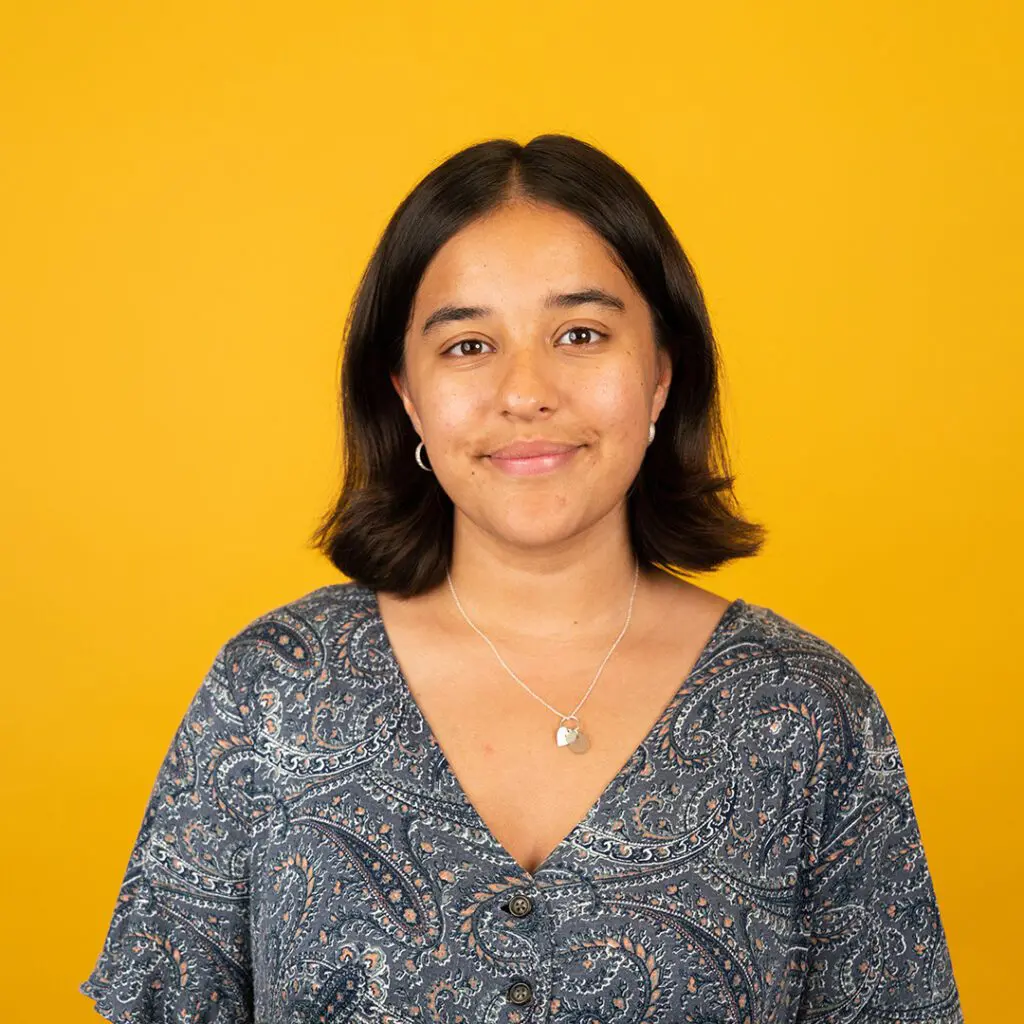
[[574, 592]]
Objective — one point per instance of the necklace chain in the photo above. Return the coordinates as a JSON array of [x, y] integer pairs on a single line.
[[572, 715]]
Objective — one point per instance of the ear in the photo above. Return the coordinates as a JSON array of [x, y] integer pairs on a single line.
[[399, 384], [664, 377]]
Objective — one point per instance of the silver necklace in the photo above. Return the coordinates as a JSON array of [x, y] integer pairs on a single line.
[[566, 735]]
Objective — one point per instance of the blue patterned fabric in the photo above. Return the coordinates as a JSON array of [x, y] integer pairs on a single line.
[[307, 855]]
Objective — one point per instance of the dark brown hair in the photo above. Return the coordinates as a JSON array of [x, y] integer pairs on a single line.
[[391, 525]]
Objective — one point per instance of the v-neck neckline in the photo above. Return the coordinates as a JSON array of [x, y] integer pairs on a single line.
[[410, 702]]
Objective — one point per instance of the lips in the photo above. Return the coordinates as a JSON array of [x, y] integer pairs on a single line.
[[531, 449]]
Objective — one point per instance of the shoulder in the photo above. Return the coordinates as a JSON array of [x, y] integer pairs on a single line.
[[797, 702], [317, 615], [789, 640], [311, 677], [806, 670], [322, 604], [306, 637], [761, 640]]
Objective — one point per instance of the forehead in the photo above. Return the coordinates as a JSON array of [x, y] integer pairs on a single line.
[[521, 250]]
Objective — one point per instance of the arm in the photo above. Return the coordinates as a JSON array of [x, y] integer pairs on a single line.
[[178, 943], [877, 950]]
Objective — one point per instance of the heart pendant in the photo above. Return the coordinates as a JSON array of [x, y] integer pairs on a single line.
[[566, 736]]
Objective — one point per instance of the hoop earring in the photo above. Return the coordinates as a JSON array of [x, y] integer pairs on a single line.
[[650, 433], [419, 458]]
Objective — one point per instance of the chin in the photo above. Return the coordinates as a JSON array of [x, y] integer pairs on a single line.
[[537, 524]]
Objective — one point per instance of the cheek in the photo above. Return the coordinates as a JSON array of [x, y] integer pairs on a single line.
[[616, 402], [448, 399], [454, 409]]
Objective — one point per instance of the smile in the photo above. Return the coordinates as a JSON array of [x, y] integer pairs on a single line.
[[533, 465]]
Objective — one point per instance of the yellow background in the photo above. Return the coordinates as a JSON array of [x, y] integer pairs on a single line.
[[190, 192]]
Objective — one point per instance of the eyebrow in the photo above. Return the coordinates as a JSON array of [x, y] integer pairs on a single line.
[[555, 300]]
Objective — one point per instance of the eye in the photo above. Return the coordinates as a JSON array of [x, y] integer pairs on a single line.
[[466, 341], [590, 335]]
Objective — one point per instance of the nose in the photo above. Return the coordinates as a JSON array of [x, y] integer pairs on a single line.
[[528, 383]]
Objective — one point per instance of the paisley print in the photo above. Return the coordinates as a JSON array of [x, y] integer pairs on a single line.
[[307, 855]]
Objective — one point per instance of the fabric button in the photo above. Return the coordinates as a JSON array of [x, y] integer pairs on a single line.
[[520, 993], [520, 905]]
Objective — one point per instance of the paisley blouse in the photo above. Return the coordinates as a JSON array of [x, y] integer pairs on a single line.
[[307, 854]]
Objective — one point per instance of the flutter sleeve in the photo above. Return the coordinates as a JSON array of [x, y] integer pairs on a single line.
[[877, 948], [178, 945]]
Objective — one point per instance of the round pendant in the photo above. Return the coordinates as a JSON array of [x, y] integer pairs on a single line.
[[580, 745]]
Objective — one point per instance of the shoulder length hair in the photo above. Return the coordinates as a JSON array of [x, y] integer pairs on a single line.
[[391, 526]]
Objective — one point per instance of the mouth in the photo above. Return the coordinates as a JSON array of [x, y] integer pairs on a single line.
[[534, 464]]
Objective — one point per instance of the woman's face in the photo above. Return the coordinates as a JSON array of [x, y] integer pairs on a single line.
[[523, 329]]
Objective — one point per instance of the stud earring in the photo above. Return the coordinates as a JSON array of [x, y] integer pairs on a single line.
[[650, 433]]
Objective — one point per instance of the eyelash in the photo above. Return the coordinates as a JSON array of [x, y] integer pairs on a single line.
[[580, 327]]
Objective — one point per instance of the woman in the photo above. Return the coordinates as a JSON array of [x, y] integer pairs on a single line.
[[516, 769]]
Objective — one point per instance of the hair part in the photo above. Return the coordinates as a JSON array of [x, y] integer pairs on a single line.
[[391, 526]]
